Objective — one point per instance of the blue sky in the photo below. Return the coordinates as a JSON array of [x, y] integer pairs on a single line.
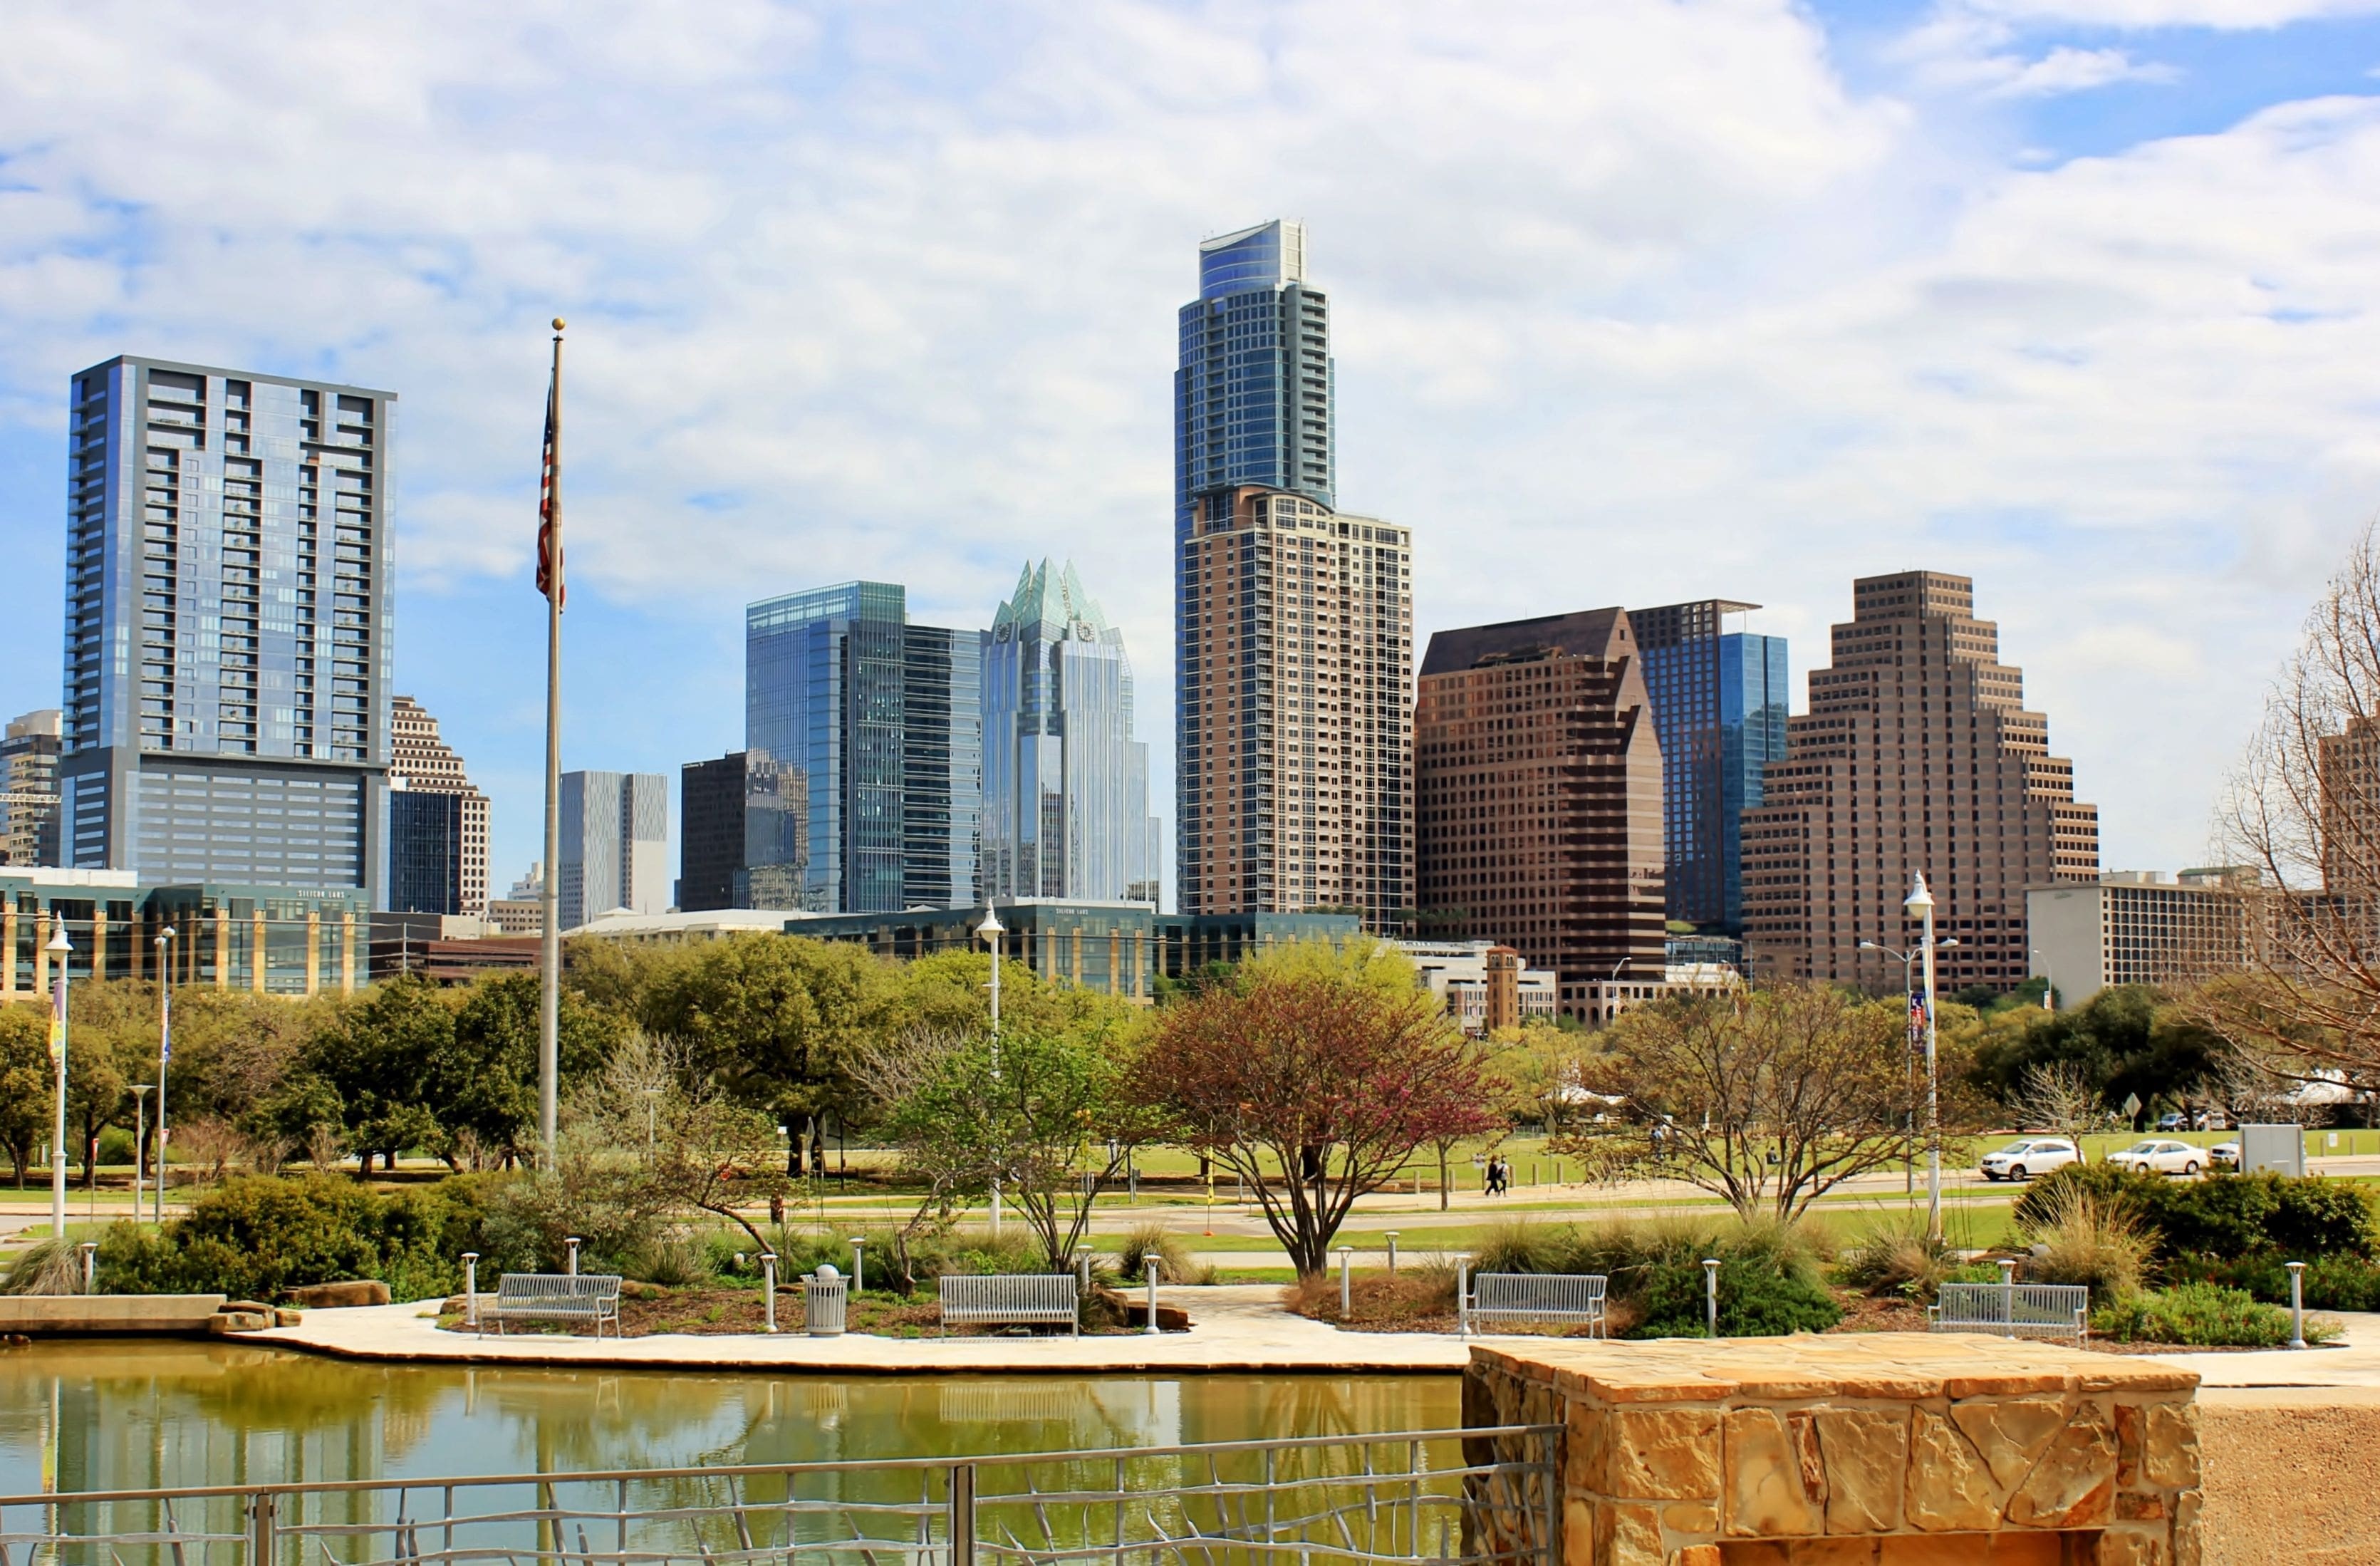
[[1634, 301]]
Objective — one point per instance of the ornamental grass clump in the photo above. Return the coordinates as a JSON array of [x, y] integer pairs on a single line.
[[1898, 1257], [2080, 1236], [1174, 1262]]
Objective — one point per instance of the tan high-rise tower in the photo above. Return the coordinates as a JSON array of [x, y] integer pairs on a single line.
[[420, 762], [1295, 769], [1916, 755]]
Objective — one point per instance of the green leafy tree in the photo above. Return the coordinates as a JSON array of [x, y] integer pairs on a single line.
[[109, 1047], [1043, 1111], [2128, 1041], [482, 1086], [377, 1057], [26, 1084], [772, 1020]]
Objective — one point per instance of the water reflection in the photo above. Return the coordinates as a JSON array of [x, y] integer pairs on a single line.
[[168, 1415]]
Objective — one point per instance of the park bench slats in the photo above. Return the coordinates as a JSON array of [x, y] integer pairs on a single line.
[[1011, 1299], [2054, 1310], [555, 1296], [1573, 1297]]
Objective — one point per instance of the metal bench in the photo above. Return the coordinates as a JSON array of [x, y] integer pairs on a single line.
[[2011, 1310], [556, 1296], [1012, 1299], [1575, 1298]]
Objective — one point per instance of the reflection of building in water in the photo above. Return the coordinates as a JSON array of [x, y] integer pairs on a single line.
[[1105, 1412]]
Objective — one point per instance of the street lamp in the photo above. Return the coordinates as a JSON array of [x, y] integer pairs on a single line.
[[58, 948], [1907, 991], [1919, 904], [2048, 981], [989, 931], [165, 1053]]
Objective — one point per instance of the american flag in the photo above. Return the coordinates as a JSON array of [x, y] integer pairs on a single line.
[[549, 548]]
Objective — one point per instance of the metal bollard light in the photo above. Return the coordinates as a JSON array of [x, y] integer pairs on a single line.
[[1391, 1237], [1346, 1283], [570, 1258], [90, 1249], [1083, 1272], [1462, 1298], [859, 1262], [1710, 1296], [2008, 1294], [768, 1287], [2297, 1304], [1150, 1267], [470, 1288]]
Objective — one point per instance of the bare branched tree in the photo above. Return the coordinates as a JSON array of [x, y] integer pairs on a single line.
[[2061, 1098], [2302, 820]]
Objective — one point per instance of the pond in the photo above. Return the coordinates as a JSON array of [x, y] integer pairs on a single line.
[[133, 1415]]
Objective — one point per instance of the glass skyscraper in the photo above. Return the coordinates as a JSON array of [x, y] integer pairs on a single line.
[[614, 845], [1066, 785], [1253, 396], [881, 723], [228, 623], [1719, 701]]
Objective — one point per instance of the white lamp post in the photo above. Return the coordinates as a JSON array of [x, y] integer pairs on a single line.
[[164, 1054], [1908, 988], [58, 948], [1920, 905], [990, 932]]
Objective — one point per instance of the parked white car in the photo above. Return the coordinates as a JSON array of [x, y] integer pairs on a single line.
[[2223, 1155], [2159, 1157], [2035, 1155]]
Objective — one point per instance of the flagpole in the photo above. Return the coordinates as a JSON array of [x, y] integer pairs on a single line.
[[549, 1005]]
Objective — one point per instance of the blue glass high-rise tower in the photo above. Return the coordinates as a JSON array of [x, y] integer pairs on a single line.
[[1066, 785], [1252, 400], [1719, 701], [882, 722]]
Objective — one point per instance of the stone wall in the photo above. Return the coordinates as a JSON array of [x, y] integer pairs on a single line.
[[2292, 1475], [1871, 1449]]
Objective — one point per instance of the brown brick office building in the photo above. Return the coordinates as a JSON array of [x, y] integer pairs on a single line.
[[1537, 792]]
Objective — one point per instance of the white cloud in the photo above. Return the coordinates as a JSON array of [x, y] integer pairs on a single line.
[[2067, 69], [2229, 15], [1635, 302]]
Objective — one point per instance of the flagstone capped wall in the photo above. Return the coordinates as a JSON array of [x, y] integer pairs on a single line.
[[1869, 1450]]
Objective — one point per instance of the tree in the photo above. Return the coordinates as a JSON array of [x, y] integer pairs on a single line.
[[2127, 1041], [1314, 1088], [2062, 1097], [1041, 1111], [2300, 819], [657, 1132], [26, 1082], [1768, 1097], [482, 1086], [108, 1043], [772, 1020], [377, 1057]]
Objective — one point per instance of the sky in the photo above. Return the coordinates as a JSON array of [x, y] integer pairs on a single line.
[[1633, 301]]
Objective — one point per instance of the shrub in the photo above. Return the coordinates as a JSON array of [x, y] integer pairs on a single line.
[[673, 1260], [254, 1236], [2225, 1215], [1516, 1245], [49, 1266], [2331, 1282], [1174, 1263], [1897, 1256], [1755, 1300], [2080, 1236], [2199, 1316]]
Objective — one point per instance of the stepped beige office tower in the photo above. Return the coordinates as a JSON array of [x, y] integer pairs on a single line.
[[1916, 755]]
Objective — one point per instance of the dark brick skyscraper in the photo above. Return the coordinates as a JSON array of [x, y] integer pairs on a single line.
[[1537, 787], [1916, 755]]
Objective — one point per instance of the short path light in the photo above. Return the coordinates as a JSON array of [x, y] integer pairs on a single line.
[[1150, 1267], [1710, 1294], [1391, 1237], [90, 1249], [472, 1289], [859, 1262], [768, 1287], [2297, 1304], [570, 1256], [1346, 1283]]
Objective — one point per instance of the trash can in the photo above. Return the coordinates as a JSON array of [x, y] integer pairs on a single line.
[[826, 1296]]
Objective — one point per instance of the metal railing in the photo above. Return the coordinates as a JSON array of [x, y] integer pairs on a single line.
[[1438, 1495]]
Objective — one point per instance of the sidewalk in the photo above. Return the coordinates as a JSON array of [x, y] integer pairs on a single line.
[[1234, 1328]]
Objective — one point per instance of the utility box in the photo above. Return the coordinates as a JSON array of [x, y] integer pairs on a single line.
[[2280, 1149]]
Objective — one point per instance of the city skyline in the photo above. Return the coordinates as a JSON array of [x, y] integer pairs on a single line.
[[2015, 329]]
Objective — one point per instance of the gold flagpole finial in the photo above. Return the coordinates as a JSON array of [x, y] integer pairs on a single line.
[[558, 323]]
